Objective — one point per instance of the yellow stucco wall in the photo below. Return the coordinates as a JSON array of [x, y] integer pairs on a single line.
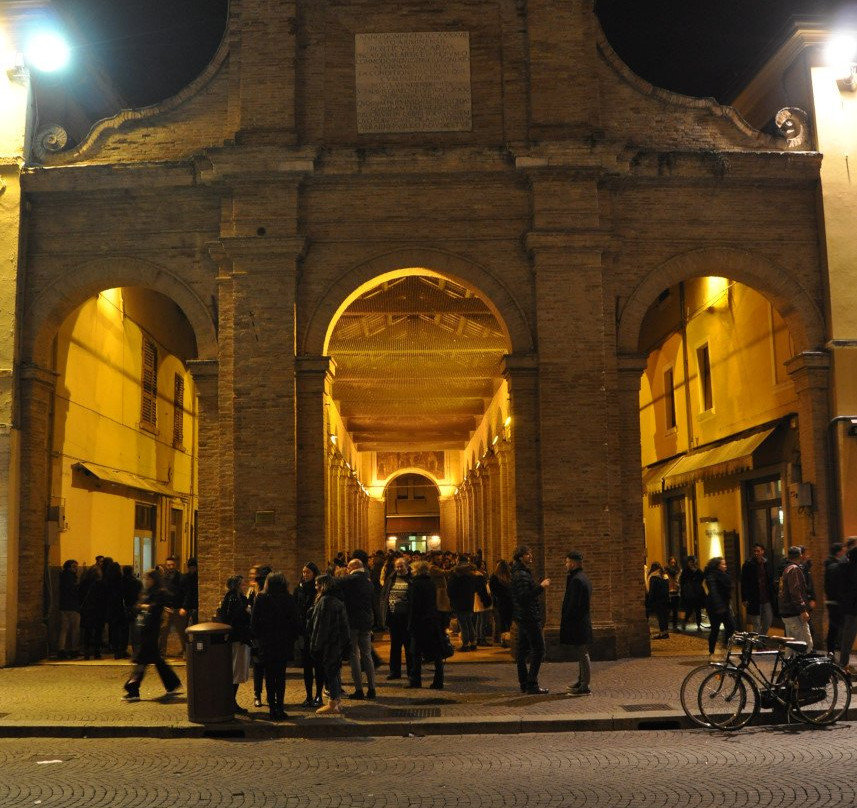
[[98, 359]]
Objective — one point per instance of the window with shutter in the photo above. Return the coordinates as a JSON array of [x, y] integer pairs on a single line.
[[149, 404], [178, 411]]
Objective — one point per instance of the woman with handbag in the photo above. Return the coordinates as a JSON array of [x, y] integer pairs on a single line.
[[424, 626], [235, 612]]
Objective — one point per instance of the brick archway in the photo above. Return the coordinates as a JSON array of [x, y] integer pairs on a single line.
[[468, 273], [45, 314], [783, 288]]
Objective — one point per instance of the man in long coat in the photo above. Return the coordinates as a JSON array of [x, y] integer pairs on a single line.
[[576, 624]]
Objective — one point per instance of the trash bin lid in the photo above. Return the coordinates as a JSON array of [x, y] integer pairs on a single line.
[[208, 628]]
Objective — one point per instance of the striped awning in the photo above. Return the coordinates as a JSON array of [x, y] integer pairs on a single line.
[[718, 461]]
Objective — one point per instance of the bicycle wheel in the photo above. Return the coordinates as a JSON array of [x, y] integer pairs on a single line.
[[690, 693], [728, 699], [820, 693]]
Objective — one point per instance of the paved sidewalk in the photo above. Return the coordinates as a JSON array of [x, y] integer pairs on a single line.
[[83, 699]]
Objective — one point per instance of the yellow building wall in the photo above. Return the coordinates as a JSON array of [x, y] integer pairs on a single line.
[[97, 418], [748, 343], [835, 112]]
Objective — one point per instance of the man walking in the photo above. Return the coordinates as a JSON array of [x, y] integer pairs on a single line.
[[172, 581], [757, 590], [575, 627], [357, 593], [793, 599], [527, 616]]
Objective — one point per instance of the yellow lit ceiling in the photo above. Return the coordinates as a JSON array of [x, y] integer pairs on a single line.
[[417, 363]]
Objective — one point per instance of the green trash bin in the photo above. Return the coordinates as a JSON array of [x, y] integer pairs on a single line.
[[210, 697]]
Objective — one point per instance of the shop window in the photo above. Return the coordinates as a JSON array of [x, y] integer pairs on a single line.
[[676, 525], [766, 516], [149, 404]]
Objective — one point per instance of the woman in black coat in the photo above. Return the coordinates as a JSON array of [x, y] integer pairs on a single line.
[[329, 640], [235, 612], [276, 625], [718, 604], [692, 591], [155, 597], [313, 671], [94, 605], [658, 599], [424, 627], [500, 583]]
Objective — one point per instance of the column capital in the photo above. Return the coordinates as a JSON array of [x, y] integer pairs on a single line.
[[810, 370], [29, 372], [263, 251], [315, 366], [205, 374], [519, 365]]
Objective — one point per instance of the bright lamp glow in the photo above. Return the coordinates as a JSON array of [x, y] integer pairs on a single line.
[[841, 53], [48, 52]]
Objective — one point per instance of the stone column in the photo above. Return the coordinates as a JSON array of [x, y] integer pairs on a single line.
[[810, 372], [314, 378], [37, 386], [217, 554], [522, 374], [624, 606], [257, 394], [507, 498]]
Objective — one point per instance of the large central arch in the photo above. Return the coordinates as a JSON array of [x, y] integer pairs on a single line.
[[323, 315]]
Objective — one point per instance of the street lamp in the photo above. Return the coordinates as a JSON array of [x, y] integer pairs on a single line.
[[47, 51]]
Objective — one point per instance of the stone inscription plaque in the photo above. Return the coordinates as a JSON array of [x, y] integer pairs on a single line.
[[413, 82]]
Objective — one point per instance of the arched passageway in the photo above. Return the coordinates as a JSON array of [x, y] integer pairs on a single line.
[[732, 418], [417, 385], [109, 414]]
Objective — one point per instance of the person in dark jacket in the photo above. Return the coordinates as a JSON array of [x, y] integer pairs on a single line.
[[329, 640], [757, 590], [673, 573], [658, 599], [255, 584], [461, 587], [190, 593], [357, 593], [313, 671], [234, 611], [276, 625], [500, 583], [394, 607], [68, 641], [831, 597], [118, 630], [424, 627], [845, 586], [151, 613], [692, 592], [575, 627], [131, 588], [175, 597], [527, 615], [94, 605], [719, 585]]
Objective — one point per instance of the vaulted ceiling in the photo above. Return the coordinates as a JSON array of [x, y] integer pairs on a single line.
[[417, 363]]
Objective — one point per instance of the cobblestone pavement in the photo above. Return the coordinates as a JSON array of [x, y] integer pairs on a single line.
[[84, 699], [757, 767]]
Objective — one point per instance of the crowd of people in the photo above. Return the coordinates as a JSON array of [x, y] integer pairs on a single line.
[[331, 617], [767, 590]]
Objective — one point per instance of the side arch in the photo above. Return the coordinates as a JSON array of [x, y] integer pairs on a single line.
[[326, 309], [794, 304], [411, 470], [44, 315]]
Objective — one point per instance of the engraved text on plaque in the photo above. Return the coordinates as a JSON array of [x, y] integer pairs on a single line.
[[413, 82]]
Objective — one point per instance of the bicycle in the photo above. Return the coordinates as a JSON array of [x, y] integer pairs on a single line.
[[729, 694]]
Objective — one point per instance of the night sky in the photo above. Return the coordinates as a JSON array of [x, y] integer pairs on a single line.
[[150, 49]]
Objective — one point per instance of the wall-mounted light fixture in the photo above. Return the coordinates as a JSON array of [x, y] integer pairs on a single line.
[[391, 542], [434, 542], [841, 55]]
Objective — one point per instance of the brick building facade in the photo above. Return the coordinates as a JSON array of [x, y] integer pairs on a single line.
[[557, 187]]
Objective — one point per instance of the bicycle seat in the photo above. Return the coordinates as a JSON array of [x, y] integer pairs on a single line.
[[796, 645]]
